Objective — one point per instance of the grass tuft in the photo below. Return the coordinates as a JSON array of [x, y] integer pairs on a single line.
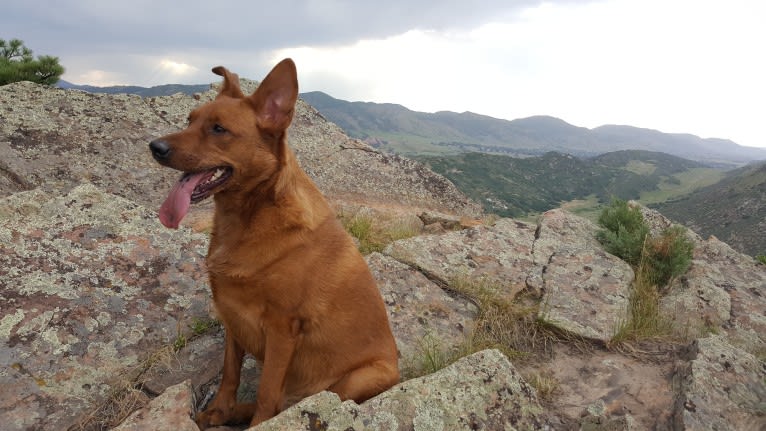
[[374, 234]]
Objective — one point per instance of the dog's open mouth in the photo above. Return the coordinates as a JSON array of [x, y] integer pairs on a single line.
[[191, 188]]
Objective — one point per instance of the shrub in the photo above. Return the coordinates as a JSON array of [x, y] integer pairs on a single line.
[[669, 255], [624, 231], [655, 260]]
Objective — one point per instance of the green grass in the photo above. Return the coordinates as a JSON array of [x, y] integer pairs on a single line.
[[689, 181]]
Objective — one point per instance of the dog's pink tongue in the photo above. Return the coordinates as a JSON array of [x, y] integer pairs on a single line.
[[177, 203]]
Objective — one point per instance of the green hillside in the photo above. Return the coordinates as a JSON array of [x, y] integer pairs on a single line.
[[394, 128], [515, 187], [734, 209]]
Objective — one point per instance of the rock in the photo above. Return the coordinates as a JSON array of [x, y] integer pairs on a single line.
[[722, 289], [501, 253], [585, 290], [481, 391], [421, 314], [91, 288], [721, 387], [170, 411], [55, 138]]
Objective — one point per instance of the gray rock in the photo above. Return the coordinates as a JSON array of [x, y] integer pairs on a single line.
[[90, 288], [481, 391], [56, 138], [501, 253], [421, 314], [721, 387], [172, 410], [584, 289]]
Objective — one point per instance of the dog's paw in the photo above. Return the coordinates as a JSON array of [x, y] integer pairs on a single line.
[[210, 418]]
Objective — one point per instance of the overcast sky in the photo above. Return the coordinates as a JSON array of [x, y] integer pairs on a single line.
[[691, 66]]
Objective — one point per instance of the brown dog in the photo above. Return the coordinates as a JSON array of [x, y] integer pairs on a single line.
[[288, 283]]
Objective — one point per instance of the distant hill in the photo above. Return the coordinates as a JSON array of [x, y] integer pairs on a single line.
[[734, 209], [159, 90], [514, 187], [396, 128]]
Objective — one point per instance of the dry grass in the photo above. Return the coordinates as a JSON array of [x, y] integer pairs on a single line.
[[508, 324], [375, 234], [545, 384], [644, 320], [126, 394], [127, 390]]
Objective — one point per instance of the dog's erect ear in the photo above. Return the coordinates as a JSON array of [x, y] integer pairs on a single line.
[[274, 100], [230, 85]]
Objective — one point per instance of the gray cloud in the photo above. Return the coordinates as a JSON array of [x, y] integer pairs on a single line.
[[156, 26]]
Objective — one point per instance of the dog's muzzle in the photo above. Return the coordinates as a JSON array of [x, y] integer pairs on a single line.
[[160, 150]]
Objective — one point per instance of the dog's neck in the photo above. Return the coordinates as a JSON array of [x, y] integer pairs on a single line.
[[289, 199]]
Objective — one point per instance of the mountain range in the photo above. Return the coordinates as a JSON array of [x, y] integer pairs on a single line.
[[394, 128]]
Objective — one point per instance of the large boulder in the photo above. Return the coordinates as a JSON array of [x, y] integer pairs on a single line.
[[91, 287], [584, 290], [481, 391]]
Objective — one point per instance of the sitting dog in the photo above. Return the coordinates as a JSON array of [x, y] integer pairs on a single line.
[[289, 285]]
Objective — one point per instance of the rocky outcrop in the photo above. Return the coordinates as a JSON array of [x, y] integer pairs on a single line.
[[584, 289], [90, 289], [173, 410], [481, 391], [55, 138], [102, 309], [94, 291], [720, 387]]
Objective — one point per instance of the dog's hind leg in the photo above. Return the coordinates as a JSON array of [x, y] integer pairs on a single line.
[[365, 382], [224, 408]]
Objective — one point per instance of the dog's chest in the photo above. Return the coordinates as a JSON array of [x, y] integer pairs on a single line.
[[243, 319]]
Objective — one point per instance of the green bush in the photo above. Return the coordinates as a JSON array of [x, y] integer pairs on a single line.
[[669, 255], [624, 231]]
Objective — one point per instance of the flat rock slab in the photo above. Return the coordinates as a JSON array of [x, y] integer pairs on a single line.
[[501, 253], [481, 391], [584, 289], [90, 286]]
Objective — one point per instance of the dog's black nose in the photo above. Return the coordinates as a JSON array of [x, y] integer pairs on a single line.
[[160, 149]]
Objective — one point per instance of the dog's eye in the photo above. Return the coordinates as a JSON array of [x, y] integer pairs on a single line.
[[218, 129]]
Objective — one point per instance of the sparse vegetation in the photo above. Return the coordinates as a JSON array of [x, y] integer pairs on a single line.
[[126, 394], [545, 385], [509, 325], [669, 255], [201, 326], [656, 261], [374, 235], [761, 258]]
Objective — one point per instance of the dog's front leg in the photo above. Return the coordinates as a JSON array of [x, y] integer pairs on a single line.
[[281, 338], [220, 410]]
